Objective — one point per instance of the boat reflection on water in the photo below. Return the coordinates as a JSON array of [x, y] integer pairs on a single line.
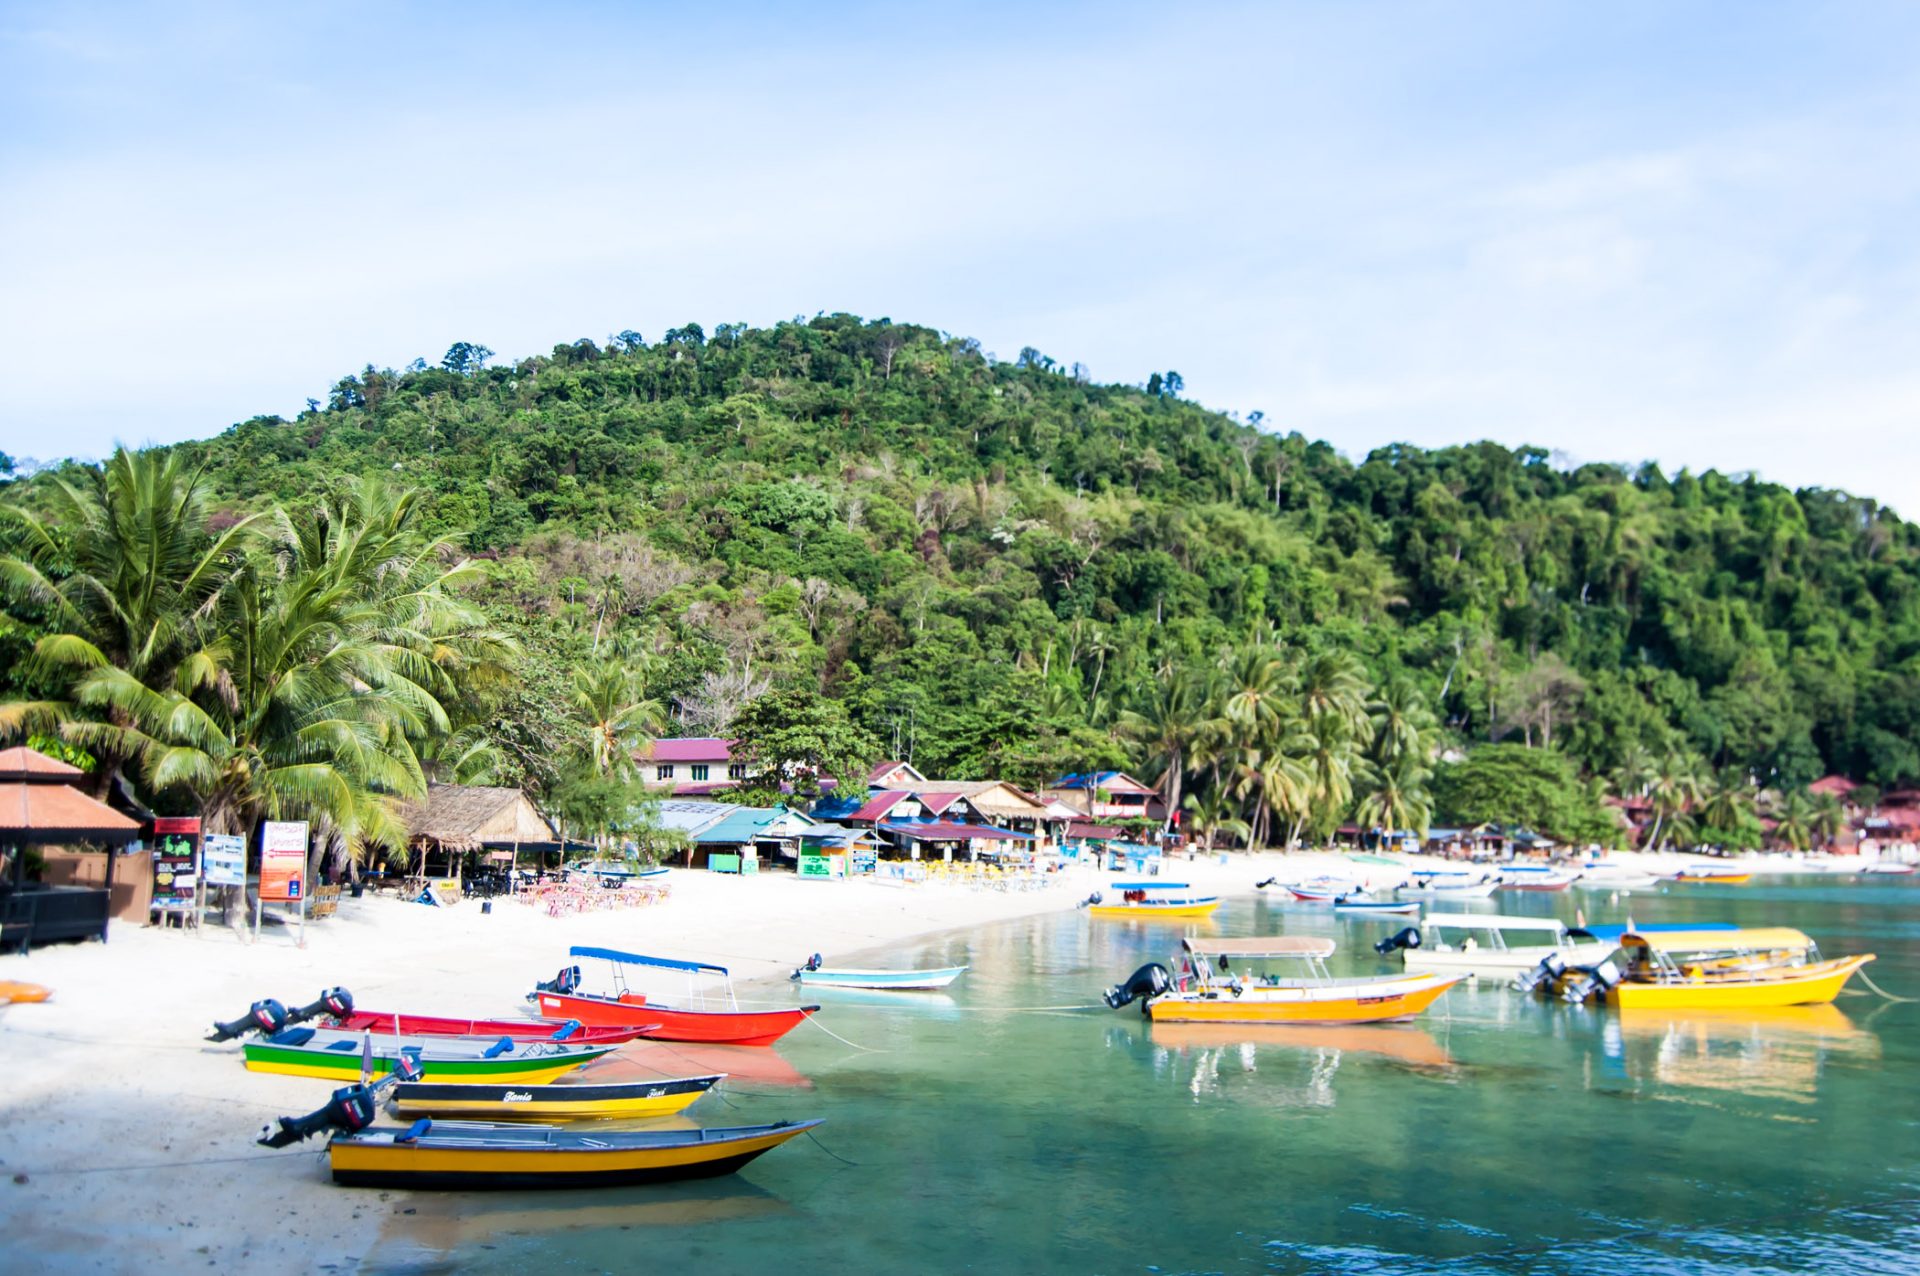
[[1770, 1053], [445, 1222], [746, 1067], [1296, 1063]]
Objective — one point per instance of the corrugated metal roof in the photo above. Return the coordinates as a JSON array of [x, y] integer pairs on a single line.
[[688, 749]]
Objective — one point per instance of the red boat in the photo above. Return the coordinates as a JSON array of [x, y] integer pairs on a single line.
[[732, 1026], [518, 1029]]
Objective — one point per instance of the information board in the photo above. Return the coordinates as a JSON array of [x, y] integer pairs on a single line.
[[283, 861], [176, 860], [223, 859]]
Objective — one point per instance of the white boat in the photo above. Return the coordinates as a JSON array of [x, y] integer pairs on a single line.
[[1887, 868], [1376, 907], [1480, 945], [1451, 886], [1324, 890], [1614, 877], [1534, 877], [877, 980]]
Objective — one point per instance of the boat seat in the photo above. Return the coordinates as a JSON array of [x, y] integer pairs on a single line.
[[293, 1037], [415, 1130], [572, 1026], [344, 1045], [498, 1048]]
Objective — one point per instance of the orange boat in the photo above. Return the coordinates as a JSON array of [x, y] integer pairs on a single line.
[[1214, 993]]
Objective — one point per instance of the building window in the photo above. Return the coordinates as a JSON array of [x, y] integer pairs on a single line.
[[699, 771], [737, 771], [663, 772]]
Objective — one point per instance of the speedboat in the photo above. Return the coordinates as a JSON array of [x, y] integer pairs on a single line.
[[1604, 875], [723, 1024], [1887, 868], [1153, 901], [342, 1056], [813, 973], [1534, 877], [561, 1101], [1211, 991], [1325, 889], [1480, 946], [1376, 907], [1451, 884], [1724, 874], [1714, 970]]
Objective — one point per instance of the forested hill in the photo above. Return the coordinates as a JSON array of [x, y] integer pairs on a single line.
[[989, 562]]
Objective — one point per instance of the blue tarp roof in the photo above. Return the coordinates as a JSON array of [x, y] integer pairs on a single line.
[[634, 959], [838, 808]]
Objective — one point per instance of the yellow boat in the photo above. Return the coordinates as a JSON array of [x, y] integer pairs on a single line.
[[1220, 995], [1811, 984], [1153, 900], [462, 1156], [1713, 873], [559, 1101]]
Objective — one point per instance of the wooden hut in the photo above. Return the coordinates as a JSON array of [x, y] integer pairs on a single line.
[[458, 819], [39, 806]]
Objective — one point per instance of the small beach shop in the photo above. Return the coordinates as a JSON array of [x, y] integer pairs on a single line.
[[41, 807]]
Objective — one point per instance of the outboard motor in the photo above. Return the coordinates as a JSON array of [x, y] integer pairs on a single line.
[[336, 1003], [1090, 900], [265, 1017], [1143, 985], [563, 983], [1408, 937], [352, 1108], [813, 963], [1545, 975], [1594, 984], [1263, 885]]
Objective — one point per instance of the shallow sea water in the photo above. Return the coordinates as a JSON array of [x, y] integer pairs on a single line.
[[994, 1131]]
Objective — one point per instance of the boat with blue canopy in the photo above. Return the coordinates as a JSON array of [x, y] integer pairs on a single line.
[[717, 1019]]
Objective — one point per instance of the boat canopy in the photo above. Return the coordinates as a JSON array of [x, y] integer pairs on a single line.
[[1149, 886], [1493, 921], [1755, 939], [634, 959], [1271, 946], [1612, 933]]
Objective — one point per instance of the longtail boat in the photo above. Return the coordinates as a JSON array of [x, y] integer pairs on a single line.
[[339, 1056], [1153, 901], [518, 1029], [562, 1101], [1209, 995], [726, 1024], [460, 1155]]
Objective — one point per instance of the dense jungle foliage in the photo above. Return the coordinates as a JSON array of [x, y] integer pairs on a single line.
[[999, 568]]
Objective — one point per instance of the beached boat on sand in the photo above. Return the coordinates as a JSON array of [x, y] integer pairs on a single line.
[[573, 1032], [1212, 992], [343, 1056], [724, 1024], [561, 1101]]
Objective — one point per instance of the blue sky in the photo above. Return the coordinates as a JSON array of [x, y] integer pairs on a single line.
[[1687, 232]]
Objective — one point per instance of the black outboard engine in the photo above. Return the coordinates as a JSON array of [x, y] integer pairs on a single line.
[[1090, 900], [336, 1003], [265, 1017], [352, 1108], [813, 963], [1593, 983], [563, 983], [1545, 975], [1142, 985], [1262, 885], [1407, 937]]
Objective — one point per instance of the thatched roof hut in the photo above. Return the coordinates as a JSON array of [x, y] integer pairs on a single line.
[[465, 817]]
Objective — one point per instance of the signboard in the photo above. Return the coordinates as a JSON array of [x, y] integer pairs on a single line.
[[864, 861], [223, 859], [283, 861], [176, 861], [822, 865]]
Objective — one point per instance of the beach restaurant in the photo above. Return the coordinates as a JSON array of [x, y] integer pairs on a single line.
[[40, 807], [458, 823]]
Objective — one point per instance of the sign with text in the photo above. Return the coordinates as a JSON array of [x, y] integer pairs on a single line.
[[283, 860], [223, 859], [176, 860]]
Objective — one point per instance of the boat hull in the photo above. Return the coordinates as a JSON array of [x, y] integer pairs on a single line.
[[1388, 908], [299, 1061], [882, 980], [1358, 1001], [378, 1021], [379, 1161], [1719, 879], [1499, 963], [562, 1102], [1475, 890], [1814, 984], [713, 1027], [1154, 912]]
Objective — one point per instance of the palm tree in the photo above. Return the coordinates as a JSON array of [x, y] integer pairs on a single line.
[[1679, 782], [1793, 821], [1257, 692], [1637, 772], [1333, 685], [1397, 799], [1213, 815], [1332, 765], [120, 564], [610, 703], [1402, 722], [1168, 718]]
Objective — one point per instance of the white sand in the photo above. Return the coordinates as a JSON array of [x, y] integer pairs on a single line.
[[135, 1137]]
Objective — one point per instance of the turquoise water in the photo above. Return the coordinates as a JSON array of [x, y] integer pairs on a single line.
[[1498, 1134]]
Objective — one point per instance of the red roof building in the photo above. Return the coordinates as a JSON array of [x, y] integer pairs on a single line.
[[1835, 785], [690, 764]]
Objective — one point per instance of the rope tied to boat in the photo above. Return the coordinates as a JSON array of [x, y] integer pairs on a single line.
[[815, 1021], [1867, 979]]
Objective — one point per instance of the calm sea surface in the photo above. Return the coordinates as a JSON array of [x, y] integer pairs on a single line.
[[1497, 1134]]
